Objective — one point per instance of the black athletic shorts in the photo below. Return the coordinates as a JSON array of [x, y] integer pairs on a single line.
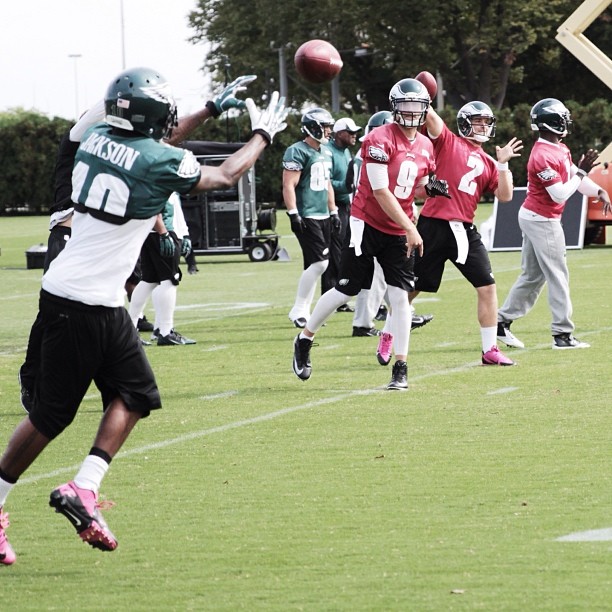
[[81, 344], [154, 267], [356, 271], [314, 240], [440, 246]]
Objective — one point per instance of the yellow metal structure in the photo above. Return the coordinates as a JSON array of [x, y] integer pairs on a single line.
[[570, 35]]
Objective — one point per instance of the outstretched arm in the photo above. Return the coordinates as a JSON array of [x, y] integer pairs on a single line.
[[265, 124], [224, 101]]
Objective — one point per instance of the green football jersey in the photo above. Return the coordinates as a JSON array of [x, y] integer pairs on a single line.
[[341, 158], [315, 166], [129, 177]]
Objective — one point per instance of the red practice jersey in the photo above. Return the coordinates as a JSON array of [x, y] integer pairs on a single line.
[[469, 172], [548, 164], [407, 163]]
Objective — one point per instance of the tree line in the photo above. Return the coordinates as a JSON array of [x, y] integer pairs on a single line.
[[502, 52]]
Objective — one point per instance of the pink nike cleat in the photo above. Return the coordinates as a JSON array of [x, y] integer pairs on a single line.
[[385, 348], [495, 357], [7, 554], [80, 507]]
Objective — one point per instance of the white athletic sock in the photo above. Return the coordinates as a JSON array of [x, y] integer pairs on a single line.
[[92, 472], [489, 338], [164, 302], [140, 295], [325, 307], [5, 489], [307, 286], [401, 319]]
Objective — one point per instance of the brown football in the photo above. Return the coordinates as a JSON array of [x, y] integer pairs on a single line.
[[317, 61], [429, 80]]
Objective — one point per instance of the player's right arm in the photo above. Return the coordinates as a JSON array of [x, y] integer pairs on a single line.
[[291, 179], [433, 123], [379, 181]]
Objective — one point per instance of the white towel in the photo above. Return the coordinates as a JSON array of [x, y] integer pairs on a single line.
[[357, 226], [462, 240]]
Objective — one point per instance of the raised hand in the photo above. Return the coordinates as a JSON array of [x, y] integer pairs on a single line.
[[271, 120], [227, 98], [505, 154], [587, 161]]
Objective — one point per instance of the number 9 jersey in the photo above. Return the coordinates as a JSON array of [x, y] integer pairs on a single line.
[[408, 163]]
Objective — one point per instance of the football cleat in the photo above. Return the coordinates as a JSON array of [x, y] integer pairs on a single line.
[[399, 377], [144, 325], [301, 357], [80, 507], [7, 554], [506, 336], [173, 338], [385, 348], [420, 320], [495, 357], [366, 331], [567, 341]]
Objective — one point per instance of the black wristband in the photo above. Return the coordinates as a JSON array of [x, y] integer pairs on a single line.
[[265, 135], [212, 109]]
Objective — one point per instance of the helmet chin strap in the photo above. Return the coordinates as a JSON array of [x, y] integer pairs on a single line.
[[479, 138]]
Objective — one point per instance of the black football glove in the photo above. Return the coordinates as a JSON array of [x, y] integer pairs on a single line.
[[436, 187], [166, 245], [297, 223], [336, 223]]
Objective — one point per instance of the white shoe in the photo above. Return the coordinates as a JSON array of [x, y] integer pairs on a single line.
[[507, 337]]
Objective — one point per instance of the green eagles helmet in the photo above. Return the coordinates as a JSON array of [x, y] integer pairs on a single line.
[[473, 110], [140, 100], [313, 122], [376, 120], [551, 115]]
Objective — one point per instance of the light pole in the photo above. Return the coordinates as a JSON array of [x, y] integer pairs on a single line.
[[75, 57], [122, 36]]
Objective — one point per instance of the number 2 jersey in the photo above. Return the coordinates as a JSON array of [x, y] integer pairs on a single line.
[[469, 172], [120, 183], [407, 164]]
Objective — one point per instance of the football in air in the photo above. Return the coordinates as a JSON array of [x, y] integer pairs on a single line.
[[317, 61], [429, 80]]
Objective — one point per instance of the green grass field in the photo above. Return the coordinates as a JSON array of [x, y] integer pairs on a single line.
[[252, 490]]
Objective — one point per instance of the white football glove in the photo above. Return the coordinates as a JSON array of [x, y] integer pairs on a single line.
[[271, 120]]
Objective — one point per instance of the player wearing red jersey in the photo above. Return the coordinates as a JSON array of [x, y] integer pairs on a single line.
[[447, 226], [396, 159], [552, 179]]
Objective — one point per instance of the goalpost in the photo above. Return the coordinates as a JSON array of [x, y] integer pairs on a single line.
[[570, 35]]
